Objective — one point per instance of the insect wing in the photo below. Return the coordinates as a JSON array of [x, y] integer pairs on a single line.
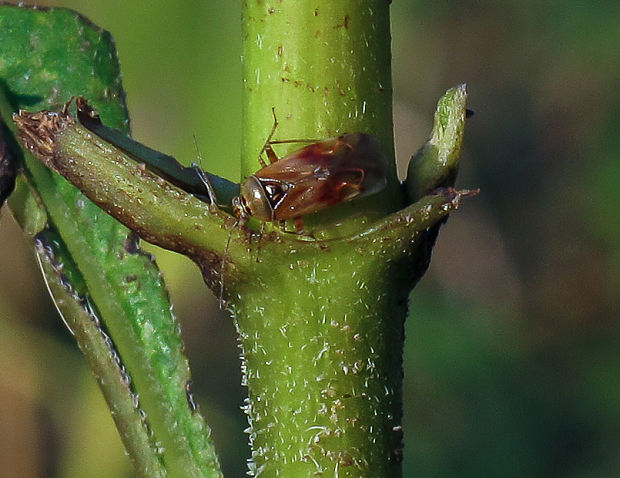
[[323, 174]]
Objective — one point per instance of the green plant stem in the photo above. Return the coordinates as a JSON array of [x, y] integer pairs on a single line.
[[74, 305], [324, 68], [322, 348], [320, 322], [321, 329], [321, 326], [70, 294]]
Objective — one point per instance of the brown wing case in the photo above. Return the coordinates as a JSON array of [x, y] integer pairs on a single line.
[[324, 173]]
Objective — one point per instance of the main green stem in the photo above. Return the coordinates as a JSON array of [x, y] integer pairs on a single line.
[[322, 331], [320, 322], [324, 69]]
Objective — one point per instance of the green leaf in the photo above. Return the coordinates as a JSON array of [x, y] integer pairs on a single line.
[[46, 57], [436, 164]]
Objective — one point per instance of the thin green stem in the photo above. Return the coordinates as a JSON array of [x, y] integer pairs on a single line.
[[73, 303], [78, 311], [123, 282]]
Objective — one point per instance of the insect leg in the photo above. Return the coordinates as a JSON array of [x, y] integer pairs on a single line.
[[223, 264], [267, 149], [271, 154], [65, 108], [208, 186], [260, 236], [204, 178]]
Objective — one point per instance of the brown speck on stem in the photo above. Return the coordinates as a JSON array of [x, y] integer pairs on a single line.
[[344, 24]]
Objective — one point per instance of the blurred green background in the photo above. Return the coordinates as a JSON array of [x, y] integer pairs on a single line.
[[512, 359]]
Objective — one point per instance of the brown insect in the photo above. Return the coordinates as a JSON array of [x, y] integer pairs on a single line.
[[308, 180], [312, 178]]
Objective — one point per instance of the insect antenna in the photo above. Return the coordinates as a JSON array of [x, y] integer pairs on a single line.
[[203, 176], [260, 236], [213, 203], [198, 153], [287, 141], [208, 186]]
